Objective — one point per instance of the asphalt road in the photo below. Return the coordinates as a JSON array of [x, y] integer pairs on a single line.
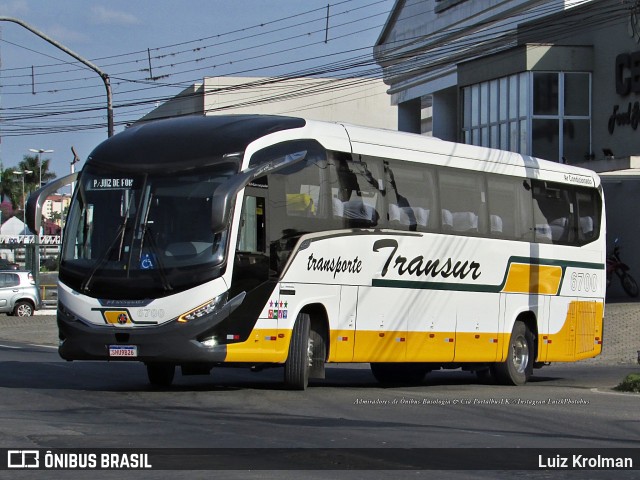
[[49, 403]]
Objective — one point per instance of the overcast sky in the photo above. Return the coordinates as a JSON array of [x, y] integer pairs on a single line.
[[48, 101]]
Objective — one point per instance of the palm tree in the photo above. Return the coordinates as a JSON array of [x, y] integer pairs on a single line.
[[10, 189], [40, 172]]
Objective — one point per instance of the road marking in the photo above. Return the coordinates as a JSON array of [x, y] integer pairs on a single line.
[[21, 347]]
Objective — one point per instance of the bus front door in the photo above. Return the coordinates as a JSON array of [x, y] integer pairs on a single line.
[[253, 327]]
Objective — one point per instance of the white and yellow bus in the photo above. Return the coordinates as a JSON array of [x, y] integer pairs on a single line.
[[265, 241]]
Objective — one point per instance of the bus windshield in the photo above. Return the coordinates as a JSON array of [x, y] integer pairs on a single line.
[[143, 235]]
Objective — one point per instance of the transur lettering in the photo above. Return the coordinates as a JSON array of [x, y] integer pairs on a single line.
[[420, 267]]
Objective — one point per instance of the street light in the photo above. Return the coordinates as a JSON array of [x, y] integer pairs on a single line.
[[40, 151], [24, 200], [103, 76]]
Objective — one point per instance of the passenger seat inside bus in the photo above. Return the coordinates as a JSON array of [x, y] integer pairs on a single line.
[[408, 216], [359, 214], [496, 223], [465, 222], [356, 209], [447, 220], [586, 226], [559, 229]]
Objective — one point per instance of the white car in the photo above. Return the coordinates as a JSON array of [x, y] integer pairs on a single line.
[[19, 294]]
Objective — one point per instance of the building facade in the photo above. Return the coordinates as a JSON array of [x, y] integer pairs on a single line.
[[556, 79], [55, 207], [361, 101]]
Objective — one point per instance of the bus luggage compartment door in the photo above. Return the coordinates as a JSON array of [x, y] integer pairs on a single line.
[[343, 332]]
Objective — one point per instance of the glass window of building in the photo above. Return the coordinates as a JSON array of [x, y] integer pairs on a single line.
[[495, 113], [544, 114]]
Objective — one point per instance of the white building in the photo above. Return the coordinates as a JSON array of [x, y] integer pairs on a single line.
[[556, 79], [361, 101], [55, 206]]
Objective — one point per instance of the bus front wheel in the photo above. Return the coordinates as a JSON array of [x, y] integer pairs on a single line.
[[300, 358], [518, 366], [161, 374]]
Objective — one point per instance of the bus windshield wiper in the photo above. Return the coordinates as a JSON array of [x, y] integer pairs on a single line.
[[117, 239]]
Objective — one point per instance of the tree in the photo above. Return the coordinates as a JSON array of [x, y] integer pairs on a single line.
[[11, 184], [39, 172], [10, 189], [6, 211]]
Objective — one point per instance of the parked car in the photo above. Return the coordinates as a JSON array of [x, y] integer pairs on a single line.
[[19, 294], [7, 265]]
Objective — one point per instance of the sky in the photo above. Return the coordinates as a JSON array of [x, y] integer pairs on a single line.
[[152, 50]]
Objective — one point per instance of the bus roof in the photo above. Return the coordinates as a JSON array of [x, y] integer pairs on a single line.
[[194, 141], [179, 142]]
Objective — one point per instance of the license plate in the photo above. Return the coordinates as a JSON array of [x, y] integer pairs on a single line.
[[123, 351]]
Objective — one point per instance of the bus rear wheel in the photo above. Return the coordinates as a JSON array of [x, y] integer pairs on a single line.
[[518, 366], [161, 374], [399, 373], [300, 358]]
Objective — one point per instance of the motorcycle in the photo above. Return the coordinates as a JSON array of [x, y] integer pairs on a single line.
[[621, 269]]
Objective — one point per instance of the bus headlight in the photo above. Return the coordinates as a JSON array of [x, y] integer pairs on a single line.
[[209, 342], [204, 309]]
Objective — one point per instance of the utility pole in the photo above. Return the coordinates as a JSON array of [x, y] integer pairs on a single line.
[[107, 86], [103, 76]]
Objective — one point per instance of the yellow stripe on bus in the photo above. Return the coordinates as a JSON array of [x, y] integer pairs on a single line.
[[263, 345], [580, 337], [526, 278]]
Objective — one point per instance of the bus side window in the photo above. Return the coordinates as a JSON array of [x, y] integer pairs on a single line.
[[509, 204], [356, 192], [302, 190], [589, 207], [553, 213], [299, 203], [410, 194], [463, 201]]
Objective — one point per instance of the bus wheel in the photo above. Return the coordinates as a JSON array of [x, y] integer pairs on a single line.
[[300, 359], [518, 366], [399, 373], [318, 354], [161, 374]]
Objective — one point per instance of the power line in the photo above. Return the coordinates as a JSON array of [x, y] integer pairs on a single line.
[[598, 18]]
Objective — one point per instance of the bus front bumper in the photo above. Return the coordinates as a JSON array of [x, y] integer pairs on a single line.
[[172, 342]]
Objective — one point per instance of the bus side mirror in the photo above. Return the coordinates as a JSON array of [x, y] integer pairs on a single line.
[[225, 194], [39, 196], [223, 198]]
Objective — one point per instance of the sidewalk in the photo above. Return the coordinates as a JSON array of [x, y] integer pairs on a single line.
[[621, 334]]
